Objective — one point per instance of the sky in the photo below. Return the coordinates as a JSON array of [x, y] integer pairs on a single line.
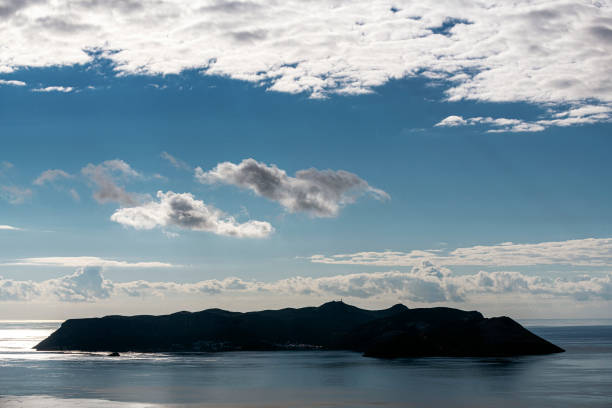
[[165, 155]]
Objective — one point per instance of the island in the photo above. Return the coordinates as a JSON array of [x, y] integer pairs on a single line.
[[390, 333]]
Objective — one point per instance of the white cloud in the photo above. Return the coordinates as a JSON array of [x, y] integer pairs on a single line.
[[452, 121], [185, 212], [105, 177], [320, 193], [85, 285], [580, 115], [81, 261], [63, 89], [12, 82], [425, 283], [14, 194], [541, 51], [579, 252], [8, 228], [51, 175]]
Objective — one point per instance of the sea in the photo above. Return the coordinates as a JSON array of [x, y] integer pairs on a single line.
[[580, 377]]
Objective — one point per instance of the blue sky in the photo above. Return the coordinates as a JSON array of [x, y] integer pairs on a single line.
[[430, 171]]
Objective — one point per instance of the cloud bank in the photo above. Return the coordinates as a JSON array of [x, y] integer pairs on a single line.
[[578, 252], [540, 51], [425, 283], [185, 212], [320, 193]]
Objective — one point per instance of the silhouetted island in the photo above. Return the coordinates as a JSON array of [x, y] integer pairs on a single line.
[[394, 332]]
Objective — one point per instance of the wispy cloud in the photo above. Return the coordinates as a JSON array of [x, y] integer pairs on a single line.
[[581, 115], [9, 228], [51, 175], [320, 193], [175, 162], [62, 89], [14, 194], [105, 177], [185, 212], [82, 261], [579, 252], [12, 82]]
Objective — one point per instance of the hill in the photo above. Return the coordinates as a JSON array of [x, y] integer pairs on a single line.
[[394, 332]]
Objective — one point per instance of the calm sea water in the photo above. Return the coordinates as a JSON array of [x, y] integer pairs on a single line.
[[581, 377]]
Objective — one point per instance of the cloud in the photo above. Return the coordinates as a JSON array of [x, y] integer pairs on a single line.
[[79, 261], [452, 121], [541, 51], [105, 177], [178, 163], [9, 228], [579, 252], [320, 193], [14, 194], [12, 82], [51, 175], [74, 194], [185, 212], [580, 115], [5, 165], [63, 89], [84, 285], [425, 283]]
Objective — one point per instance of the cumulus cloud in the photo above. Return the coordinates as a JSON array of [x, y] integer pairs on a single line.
[[320, 193], [425, 283], [185, 212], [84, 285], [541, 51], [75, 261], [63, 89], [106, 175], [578, 252], [580, 115], [12, 82], [49, 176], [177, 163]]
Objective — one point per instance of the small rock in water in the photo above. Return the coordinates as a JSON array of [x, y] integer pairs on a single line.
[[114, 354]]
